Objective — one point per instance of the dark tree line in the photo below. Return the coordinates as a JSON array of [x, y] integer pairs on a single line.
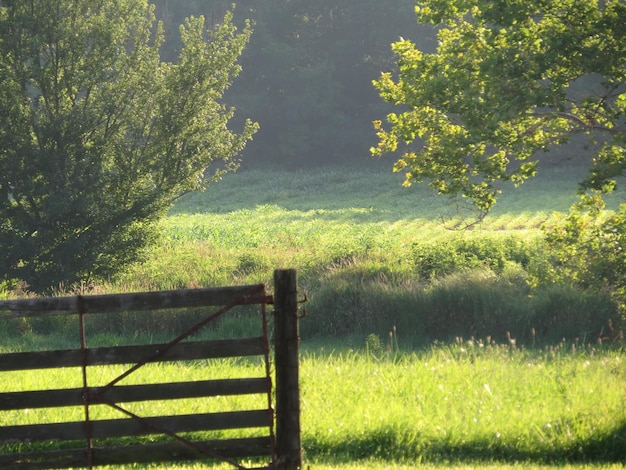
[[307, 72]]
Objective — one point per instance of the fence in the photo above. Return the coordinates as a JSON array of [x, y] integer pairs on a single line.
[[92, 442]]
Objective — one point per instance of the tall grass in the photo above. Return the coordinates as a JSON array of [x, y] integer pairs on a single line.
[[474, 400], [448, 404], [371, 254]]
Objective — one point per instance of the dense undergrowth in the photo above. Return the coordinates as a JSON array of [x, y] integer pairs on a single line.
[[372, 255]]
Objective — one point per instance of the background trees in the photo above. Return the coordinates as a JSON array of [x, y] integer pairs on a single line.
[[307, 73], [307, 77], [98, 136]]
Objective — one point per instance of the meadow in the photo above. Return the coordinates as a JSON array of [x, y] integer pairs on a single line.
[[423, 345], [470, 404], [372, 254]]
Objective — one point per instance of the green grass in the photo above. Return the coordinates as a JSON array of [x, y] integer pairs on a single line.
[[371, 406], [372, 464], [371, 254], [374, 258], [470, 401]]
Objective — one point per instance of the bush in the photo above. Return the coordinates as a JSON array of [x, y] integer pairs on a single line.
[[566, 311], [477, 304], [444, 258], [589, 252]]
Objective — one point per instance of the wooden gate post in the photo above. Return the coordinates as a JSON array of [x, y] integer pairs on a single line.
[[286, 339]]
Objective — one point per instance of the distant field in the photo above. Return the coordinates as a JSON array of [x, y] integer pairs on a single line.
[[372, 254], [242, 227], [371, 186], [361, 243]]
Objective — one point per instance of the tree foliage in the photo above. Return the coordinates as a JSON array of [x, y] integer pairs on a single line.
[[307, 73], [98, 136], [508, 80], [588, 251]]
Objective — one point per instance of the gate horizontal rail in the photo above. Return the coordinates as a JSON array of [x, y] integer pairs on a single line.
[[108, 428], [132, 354], [114, 441], [134, 393], [137, 301], [145, 453]]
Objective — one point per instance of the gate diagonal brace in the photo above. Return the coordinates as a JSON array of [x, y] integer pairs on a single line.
[[90, 396], [241, 301], [167, 432]]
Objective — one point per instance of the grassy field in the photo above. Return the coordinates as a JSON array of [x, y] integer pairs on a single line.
[[372, 254], [379, 406], [468, 402], [317, 220], [405, 360]]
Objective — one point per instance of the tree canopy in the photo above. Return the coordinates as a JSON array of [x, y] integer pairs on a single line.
[[307, 72], [98, 136], [508, 80]]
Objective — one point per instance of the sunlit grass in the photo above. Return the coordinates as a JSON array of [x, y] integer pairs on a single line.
[[243, 227], [349, 232], [354, 236], [473, 401], [464, 401], [372, 464]]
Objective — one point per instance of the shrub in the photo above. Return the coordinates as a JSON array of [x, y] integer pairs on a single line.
[[566, 311], [496, 253], [589, 252]]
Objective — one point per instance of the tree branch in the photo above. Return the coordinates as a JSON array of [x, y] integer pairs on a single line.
[[577, 120]]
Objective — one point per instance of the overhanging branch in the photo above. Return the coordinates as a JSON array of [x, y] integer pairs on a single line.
[[581, 123]]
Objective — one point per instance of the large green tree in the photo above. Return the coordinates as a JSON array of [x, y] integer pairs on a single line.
[[98, 136], [509, 79]]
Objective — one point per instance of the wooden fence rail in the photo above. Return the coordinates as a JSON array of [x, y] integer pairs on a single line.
[[89, 443]]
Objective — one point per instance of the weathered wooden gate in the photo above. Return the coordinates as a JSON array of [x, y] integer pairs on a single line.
[[94, 442]]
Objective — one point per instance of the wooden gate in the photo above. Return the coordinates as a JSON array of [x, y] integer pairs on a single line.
[[94, 442]]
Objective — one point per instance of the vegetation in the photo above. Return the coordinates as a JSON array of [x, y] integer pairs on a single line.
[[98, 136], [472, 402], [371, 254], [370, 258], [505, 83], [307, 72], [391, 375], [497, 346]]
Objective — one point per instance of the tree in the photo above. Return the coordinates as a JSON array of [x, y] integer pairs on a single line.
[[98, 136], [307, 77], [307, 72], [508, 80]]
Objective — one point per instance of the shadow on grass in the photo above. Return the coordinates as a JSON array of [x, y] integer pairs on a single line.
[[373, 187], [392, 446]]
